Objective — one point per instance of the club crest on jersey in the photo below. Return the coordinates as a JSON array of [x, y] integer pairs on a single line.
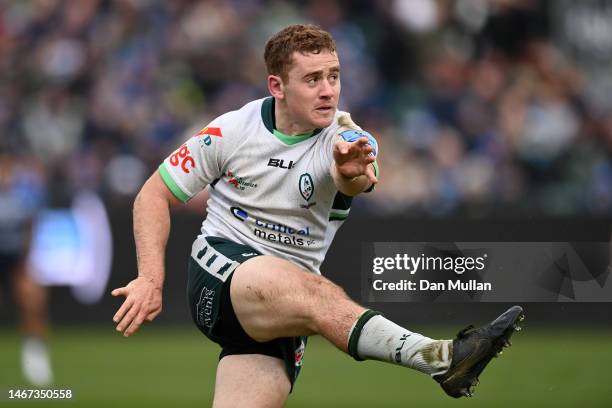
[[206, 134], [306, 186]]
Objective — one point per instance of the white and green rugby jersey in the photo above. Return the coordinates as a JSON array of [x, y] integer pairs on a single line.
[[272, 192]]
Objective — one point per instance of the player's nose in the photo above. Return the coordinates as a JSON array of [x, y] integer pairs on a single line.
[[326, 91]]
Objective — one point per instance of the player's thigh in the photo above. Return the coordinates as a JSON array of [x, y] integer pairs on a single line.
[[268, 291], [275, 298], [251, 381]]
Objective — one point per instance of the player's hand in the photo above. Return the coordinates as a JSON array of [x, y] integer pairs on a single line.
[[353, 159], [143, 301]]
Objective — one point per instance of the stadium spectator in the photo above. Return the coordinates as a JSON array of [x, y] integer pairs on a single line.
[[453, 87]]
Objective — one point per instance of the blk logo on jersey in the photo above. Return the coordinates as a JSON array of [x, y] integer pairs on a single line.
[[206, 134], [306, 186], [281, 164], [182, 157]]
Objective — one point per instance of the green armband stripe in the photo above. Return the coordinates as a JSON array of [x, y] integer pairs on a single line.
[[172, 186]]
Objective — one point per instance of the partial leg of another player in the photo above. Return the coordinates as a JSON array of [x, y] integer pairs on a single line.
[[31, 299], [251, 380]]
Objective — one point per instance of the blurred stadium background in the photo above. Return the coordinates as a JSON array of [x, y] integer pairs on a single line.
[[494, 119]]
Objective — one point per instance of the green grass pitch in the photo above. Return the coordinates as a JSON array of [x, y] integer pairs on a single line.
[[170, 366]]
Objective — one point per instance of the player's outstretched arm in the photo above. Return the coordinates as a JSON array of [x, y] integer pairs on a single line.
[[143, 295], [352, 169]]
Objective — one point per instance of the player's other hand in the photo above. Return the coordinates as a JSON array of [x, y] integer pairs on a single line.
[[143, 301], [353, 159]]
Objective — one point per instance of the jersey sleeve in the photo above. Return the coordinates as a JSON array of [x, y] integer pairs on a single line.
[[195, 164]]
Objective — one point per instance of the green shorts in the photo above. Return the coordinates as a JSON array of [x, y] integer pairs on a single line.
[[211, 266]]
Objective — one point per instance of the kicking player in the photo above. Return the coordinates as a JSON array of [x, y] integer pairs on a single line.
[[282, 171]]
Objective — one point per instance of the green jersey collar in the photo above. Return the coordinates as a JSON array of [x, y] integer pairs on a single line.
[[267, 116]]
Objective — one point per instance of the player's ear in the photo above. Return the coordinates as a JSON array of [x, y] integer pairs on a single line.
[[276, 86]]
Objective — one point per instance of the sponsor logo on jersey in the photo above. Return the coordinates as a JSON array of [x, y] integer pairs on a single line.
[[238, 182], [239, 213], [182, 157], [213, 131], [299, 354], [281, 164], [306, 186], [276, 232], [206, 133]]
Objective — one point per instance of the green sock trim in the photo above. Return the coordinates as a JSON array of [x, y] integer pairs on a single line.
[[356, 332]]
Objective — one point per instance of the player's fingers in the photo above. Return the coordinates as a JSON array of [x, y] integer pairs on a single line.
[[341, 147], [128, 318], [119, 291], [153, 314], [127, 304], [135, 325], [362, 141]]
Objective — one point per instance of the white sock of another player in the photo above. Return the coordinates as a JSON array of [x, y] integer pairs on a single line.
[[374, 337], [35, 362]]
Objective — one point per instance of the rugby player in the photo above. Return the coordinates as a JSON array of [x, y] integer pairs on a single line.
[[21, 192], [283, 171]]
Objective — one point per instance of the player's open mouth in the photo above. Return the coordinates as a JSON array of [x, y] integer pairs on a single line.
[[324, 109]]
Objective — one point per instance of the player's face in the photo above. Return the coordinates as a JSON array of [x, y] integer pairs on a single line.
[[313, 89]]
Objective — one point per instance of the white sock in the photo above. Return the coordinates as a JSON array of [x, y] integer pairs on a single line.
[[35, 362], [381, 339]]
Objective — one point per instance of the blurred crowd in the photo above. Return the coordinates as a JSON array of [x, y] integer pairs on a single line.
[[479, 106]]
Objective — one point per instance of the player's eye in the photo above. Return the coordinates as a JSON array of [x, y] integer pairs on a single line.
[[333, 78], [311, 81]]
